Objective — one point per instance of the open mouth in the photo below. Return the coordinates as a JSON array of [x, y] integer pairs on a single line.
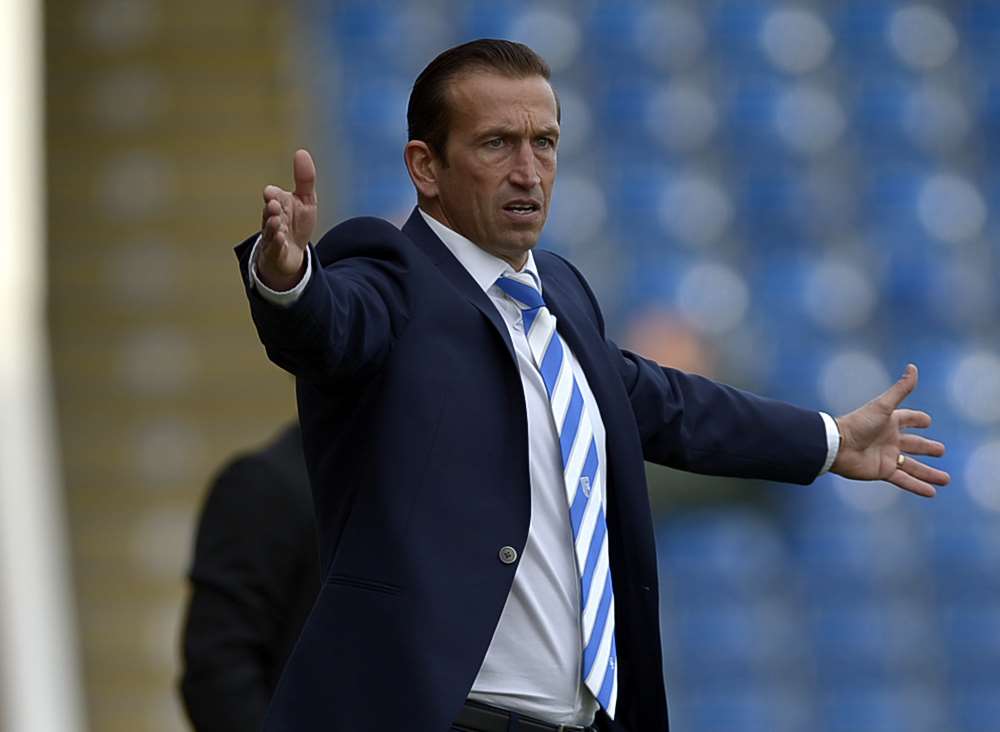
[[522, 208]]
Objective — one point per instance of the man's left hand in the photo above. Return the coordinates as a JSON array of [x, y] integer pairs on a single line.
[[873, 445]]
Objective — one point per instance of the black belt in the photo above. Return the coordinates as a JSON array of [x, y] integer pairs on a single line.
[[478, 717]]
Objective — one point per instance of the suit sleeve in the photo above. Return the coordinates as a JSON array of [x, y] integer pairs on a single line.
[[247, 562], [692, 423], [351, 311]]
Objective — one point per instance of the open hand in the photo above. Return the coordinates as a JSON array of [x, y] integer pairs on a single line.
[[287, 226], [872, 441]]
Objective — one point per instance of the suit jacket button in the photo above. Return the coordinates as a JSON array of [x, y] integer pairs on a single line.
[[508, 555]]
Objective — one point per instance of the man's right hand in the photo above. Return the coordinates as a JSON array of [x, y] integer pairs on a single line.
[[286, 227]]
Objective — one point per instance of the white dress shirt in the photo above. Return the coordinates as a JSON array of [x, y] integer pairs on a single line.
[[534, 662]]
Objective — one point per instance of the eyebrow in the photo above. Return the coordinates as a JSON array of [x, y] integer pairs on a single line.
[[548, 131]]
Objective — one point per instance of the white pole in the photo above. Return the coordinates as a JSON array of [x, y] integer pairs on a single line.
[[40, 688]]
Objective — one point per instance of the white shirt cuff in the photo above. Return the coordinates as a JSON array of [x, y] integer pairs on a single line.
[[282, 299], [832, 441]]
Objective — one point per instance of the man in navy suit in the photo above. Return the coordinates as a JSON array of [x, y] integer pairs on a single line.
[[486, 544]]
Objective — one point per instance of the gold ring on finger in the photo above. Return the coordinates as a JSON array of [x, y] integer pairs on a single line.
[[900, 460]]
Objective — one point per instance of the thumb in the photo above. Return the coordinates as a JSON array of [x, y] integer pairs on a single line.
[[304, 172], [896, 393]]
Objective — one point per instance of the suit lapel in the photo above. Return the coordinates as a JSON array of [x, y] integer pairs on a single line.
[[420, 233]]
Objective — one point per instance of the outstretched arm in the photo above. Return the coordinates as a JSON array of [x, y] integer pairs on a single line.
[[322, 318], [692, 423], [874, 445]]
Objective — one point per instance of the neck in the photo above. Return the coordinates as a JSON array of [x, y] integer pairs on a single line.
[[517, 260]]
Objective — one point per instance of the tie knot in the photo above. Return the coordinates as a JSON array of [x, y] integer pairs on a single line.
[[522, 288]]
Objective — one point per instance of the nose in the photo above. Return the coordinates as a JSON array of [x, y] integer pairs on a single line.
[[524, 172]]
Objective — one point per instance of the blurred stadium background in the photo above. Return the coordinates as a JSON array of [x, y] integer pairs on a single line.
[[794, 197]]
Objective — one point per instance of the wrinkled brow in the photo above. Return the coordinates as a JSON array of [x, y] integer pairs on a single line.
[[512, 130]]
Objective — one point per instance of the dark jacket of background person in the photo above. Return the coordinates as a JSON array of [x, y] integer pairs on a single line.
[[254, 578], [415, 433]]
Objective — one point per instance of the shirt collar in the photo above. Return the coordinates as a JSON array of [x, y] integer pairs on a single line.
[[480, 264]]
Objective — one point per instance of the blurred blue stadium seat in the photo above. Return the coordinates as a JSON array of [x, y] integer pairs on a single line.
[[749, 707], [722, 549], [976, 707], [897, 707]]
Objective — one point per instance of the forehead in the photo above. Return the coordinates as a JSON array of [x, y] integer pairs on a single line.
[[484, 99]]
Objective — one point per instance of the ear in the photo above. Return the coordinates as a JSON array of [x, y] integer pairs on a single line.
[[422, 165]]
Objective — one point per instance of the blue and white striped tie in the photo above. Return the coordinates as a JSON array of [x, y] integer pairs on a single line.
[[584, 482]]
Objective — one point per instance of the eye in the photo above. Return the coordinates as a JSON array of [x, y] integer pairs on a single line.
[[545, 142], [495, 143]]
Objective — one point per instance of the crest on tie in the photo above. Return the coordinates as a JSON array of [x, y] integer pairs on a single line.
[[585, 485]]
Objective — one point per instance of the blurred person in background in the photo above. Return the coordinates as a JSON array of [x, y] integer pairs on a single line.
[[667, 338], [490, 467], [254, 577]]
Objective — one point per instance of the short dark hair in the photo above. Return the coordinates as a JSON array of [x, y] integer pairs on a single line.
[[427, 114]]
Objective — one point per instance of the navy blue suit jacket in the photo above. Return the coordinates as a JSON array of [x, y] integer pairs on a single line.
[[415, 435]]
